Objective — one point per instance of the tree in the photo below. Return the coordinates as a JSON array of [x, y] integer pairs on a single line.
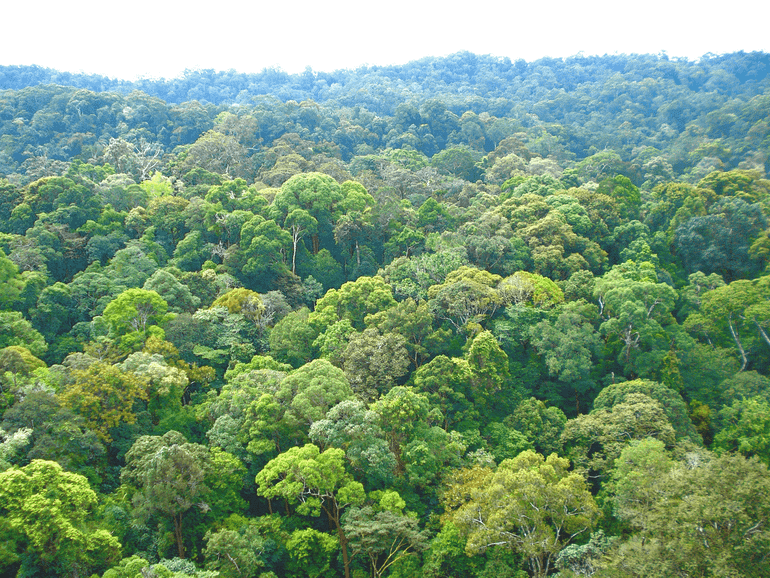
[[167, 216], [465, 298], [104, 396], [191, 252], [244, 301], [568, 345], [53, 512], [672, 403], [530, 504], [299, 223], [636, 310], [707, 516], [15, 330], [594, 441], [633, 484], [491, 389], [57, 435], [167, 475], [234, 553], [413, 276], [384, 537], [459, 161], [318, 481], [134, 312], [585, 559], [725, 317], [402, 410], [12, 444], [447, 382], [220, 154], [524, 288], [354, 301], [351, 426], [373, 362], [55, 312], [355, 222], [708, 243], [291, 340], [311, 551], [315, 193], [164, 385], [264, 245], [745, 428], [11, 281], [132, 266], [446, 555], [222, 337], [540, 424], [178, 295], [310, 391], [625, 194]]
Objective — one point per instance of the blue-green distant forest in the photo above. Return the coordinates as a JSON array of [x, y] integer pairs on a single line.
[[462, 318]]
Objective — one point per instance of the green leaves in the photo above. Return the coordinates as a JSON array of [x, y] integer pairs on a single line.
[[318, 481], [105, 396], [636, 311], [707, 516], [734, 315], [746, 428], [530, 504], [313, 478], [168, 477], [53, 511], [135, 310], [383, 537]]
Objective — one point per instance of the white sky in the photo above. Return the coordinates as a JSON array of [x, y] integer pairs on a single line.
[[158, 38]]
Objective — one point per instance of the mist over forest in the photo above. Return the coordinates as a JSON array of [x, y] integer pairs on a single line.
[[465, 317]]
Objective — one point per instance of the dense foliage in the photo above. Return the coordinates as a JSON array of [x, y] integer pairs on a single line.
[[464, 317]]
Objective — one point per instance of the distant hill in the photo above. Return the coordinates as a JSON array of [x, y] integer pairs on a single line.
[[464, 73]]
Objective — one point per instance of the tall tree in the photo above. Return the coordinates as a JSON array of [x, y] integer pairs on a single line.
[[316, 193], [167, 475], [317, 481], [530, 504], [53, 512]]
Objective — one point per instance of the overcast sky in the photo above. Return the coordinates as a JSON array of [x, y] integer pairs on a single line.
[[157, 38]]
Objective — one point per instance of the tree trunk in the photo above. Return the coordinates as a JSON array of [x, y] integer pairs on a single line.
[[344, 545], [178, 534], [333, 514], [744, 357], [761, 332]]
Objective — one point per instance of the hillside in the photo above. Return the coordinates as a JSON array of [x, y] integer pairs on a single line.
[[463, 317]]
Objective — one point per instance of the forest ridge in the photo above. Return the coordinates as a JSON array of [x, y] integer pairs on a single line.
[[465, 317]]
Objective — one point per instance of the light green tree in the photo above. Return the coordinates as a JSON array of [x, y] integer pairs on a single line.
[[311, 552], [530, 504], [136, 314], [636, 311], [745, 428], [316, 193], [53, 513], [595, 440], [353, 301], [234, 553], [104, 395], [317, 481]]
